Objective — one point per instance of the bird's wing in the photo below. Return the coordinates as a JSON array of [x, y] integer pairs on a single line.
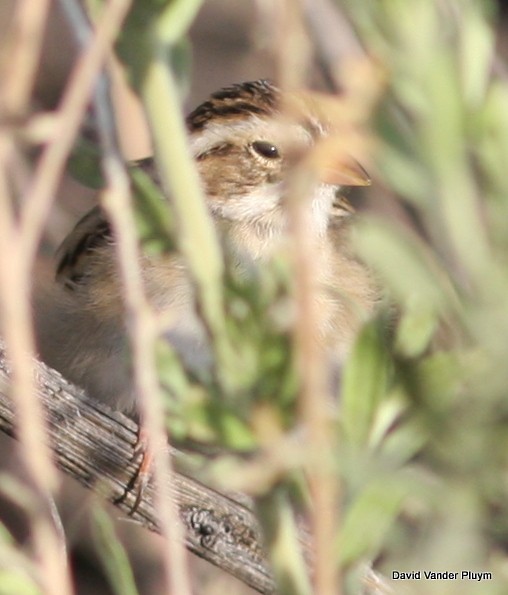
[[90, 233]]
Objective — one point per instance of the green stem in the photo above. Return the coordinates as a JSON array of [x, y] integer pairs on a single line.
[[196, 234]]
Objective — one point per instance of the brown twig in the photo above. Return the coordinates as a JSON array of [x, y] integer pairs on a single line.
[[15, 264], [39, 196], [294, 56], [26, 34], [117, 202], [334, 40]]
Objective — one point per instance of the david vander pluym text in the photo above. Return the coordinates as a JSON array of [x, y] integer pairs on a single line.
[[429, 575]]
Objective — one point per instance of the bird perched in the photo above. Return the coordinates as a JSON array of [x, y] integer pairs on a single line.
[[243, 148]]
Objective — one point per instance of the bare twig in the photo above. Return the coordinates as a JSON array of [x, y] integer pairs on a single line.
[[314, 393], [334, 40], [117, 202], [143, 329], [15, 265], [294, 59], [27, 32], [69, 117]]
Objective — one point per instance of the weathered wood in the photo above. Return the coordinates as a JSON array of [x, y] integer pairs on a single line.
[[96, 447]]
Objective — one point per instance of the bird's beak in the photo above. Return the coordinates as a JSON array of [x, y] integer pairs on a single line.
[[344, 173]]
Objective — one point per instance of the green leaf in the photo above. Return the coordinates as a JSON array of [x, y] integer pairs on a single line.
[[476, 49], [14, 583], [370, 516], [406, 266], [113, 555], [364, 383], [154, 219], [235, 433], [282, 537], [155, 27], [85, 164], [417, 326], [172, 375], [441, 377]]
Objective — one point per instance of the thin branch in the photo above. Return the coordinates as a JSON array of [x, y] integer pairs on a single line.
[[117, 202], [50, 167], [143, 330], [294, 57], [15, 315], [27, 31], [334, 40]]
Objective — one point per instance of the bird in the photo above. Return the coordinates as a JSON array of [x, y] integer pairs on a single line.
[[244, 149]]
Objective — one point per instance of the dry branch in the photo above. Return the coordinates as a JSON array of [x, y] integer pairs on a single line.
[[96, 447]]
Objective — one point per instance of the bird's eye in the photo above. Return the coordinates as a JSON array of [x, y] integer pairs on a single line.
[[266, 149]]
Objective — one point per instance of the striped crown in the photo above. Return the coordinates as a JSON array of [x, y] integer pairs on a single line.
[[255, 97]]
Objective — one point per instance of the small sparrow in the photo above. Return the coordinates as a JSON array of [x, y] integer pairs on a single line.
[[244, 148]]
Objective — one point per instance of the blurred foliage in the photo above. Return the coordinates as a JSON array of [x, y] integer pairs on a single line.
[[18, 572], [84, 164], [113, 555], [201, 408], [422, 432], [433, 493], [156, 226], [17, 577]]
